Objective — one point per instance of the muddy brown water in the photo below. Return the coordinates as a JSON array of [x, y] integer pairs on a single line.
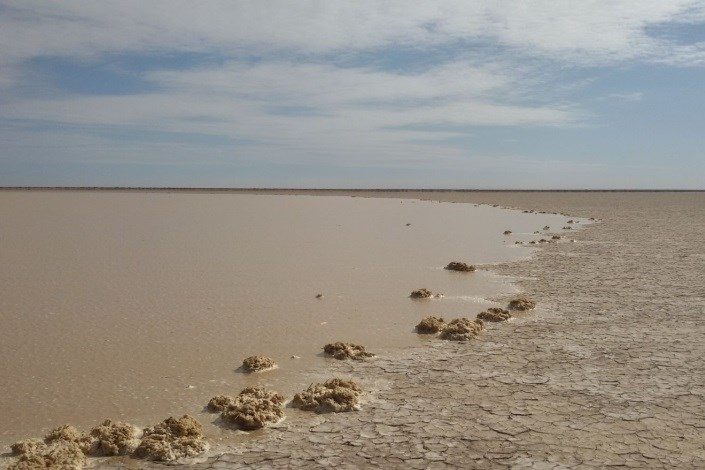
[[136, 306]]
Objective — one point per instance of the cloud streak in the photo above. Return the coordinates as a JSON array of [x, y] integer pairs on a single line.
[[316, 82]]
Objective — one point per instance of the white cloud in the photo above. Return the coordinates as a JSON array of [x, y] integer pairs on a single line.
[[629, 97], [353, 115], [576, 30], [361, 115], [314, 82]]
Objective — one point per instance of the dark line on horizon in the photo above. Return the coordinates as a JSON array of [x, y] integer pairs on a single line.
[[388, 190]]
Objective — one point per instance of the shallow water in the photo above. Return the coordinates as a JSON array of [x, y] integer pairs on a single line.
[[136, 306]]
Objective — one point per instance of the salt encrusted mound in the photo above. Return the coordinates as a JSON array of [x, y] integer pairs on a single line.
[[342, 351], [461, 329], [522, 303], [27, 446], [261, 393], [219, 403], [58, 453], [430, 325], [333, 396], [114, 438], [172, 439], [69, 433], [249, 415], [494, 314], [507, 232], [258, 363], [460, 266], [64, 447], [254, 408], [422, 294]]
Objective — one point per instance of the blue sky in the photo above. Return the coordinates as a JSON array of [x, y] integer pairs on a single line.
[[543, 94]]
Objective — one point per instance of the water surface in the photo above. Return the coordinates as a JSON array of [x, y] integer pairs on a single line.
[[136, 306]]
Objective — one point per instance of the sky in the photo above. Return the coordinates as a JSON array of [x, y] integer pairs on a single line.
[[389, 94]]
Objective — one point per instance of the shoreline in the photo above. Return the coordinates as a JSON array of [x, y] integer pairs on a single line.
[[410, 334], [406, 360], [571, 389], [523, 395]]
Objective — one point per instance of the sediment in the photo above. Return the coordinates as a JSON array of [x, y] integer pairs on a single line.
[[461, 329], [333, 396], [421, 294], [26, 446], [254, 408], [172, 439], [113, 438], [459, 266], [67, 447], [58, 454], [522, 303], [258, 364], [430, 325], [494, 314], [343, 351], [219, 403], [70, 433]]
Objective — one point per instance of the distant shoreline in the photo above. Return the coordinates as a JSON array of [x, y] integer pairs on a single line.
[[334, 190]]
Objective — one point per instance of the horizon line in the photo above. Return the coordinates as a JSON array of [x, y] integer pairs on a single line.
[[226, 189]]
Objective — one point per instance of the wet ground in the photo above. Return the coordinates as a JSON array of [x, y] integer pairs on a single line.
[[608, 370]]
